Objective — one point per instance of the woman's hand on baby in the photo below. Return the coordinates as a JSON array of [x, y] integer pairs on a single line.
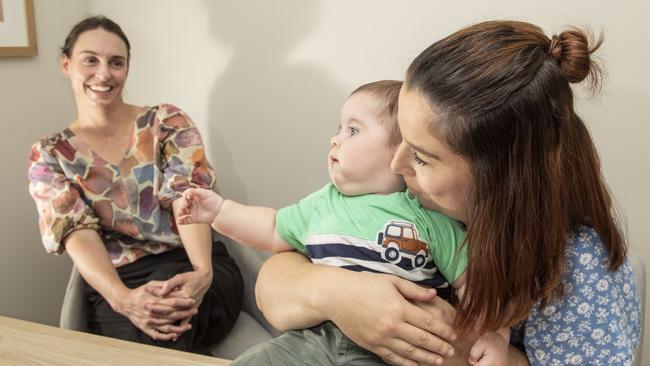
[[159, 318], [199, 206], [387, 323]]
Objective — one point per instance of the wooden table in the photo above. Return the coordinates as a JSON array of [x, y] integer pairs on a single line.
[[26, 343]]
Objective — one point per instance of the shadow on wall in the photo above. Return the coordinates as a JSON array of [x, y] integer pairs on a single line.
[[269, 120]]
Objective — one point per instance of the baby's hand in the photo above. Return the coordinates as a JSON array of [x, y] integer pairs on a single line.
[[199, 206], [491, 349]]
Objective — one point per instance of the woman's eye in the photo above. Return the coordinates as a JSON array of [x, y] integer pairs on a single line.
[[90, 60], [117, 64], [417, 159], [353, 131]]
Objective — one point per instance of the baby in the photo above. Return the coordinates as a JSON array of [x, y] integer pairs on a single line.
[[363, 220]]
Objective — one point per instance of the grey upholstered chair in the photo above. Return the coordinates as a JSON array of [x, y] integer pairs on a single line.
[[251, 327], [639, 270]]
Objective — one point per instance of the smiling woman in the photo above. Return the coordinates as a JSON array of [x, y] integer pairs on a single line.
[[97, 72], [106, 189]]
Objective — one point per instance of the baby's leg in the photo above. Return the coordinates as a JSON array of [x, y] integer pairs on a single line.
[[323, 345]]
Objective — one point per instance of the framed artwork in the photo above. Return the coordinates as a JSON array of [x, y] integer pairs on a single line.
[[17, 28]]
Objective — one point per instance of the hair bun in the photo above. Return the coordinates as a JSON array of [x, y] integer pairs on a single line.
[[572, 50]]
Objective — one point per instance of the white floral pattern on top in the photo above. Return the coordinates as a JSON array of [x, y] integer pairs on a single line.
[[598, 319]]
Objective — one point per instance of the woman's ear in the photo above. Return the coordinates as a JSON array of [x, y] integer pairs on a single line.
[[64, 64]]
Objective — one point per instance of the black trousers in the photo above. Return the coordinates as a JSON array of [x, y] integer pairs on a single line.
[[217, 313]]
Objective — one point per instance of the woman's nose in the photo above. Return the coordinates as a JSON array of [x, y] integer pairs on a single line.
[[102, 72], [399, 164]]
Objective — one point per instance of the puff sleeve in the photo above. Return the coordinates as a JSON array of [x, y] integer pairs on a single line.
[[61, 209], [182, 154]]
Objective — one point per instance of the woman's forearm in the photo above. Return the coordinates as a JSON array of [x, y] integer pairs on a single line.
[[89, 255], [294, 293], [91, 259], [197, 241], [289, 291]]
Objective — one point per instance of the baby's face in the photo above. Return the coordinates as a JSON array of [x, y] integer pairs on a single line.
[[359, 159]]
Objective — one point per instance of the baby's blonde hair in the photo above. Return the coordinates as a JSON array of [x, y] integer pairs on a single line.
[[387, 92]]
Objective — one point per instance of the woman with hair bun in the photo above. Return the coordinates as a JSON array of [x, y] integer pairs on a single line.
[[491, 138]]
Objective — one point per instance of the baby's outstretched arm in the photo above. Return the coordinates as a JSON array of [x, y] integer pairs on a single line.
[[249, 225]]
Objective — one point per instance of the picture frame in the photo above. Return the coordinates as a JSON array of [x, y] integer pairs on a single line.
[[17, 28]]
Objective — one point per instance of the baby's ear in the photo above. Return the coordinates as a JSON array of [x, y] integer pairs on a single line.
[[403, 184]]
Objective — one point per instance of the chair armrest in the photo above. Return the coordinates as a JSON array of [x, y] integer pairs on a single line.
[[74, 311], [249, 261]]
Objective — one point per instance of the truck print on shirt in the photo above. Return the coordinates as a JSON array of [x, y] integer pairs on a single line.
[[400, 237]]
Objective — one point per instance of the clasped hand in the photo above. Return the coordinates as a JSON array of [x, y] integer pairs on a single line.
[[163, 309]]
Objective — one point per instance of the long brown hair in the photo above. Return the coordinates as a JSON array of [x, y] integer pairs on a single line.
[[507, 107]]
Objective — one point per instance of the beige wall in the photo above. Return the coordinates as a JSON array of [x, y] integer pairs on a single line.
[[34, 100], [264, 82]]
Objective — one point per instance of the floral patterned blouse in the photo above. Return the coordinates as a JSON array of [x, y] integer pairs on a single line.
[[597, 321], [128, 204]]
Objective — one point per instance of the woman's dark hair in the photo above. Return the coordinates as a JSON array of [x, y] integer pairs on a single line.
[[90, 23], [502, 92]]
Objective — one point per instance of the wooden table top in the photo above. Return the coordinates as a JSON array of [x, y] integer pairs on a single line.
[[26, 343]]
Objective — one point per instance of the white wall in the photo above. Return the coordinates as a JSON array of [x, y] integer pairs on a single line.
[[264, 81], [34, 100]]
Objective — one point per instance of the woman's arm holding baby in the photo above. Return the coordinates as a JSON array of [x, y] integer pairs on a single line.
[[372, 309], [467, 341], [250, 225]]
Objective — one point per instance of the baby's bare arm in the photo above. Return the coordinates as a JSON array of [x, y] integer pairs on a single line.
[[250, 225]]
